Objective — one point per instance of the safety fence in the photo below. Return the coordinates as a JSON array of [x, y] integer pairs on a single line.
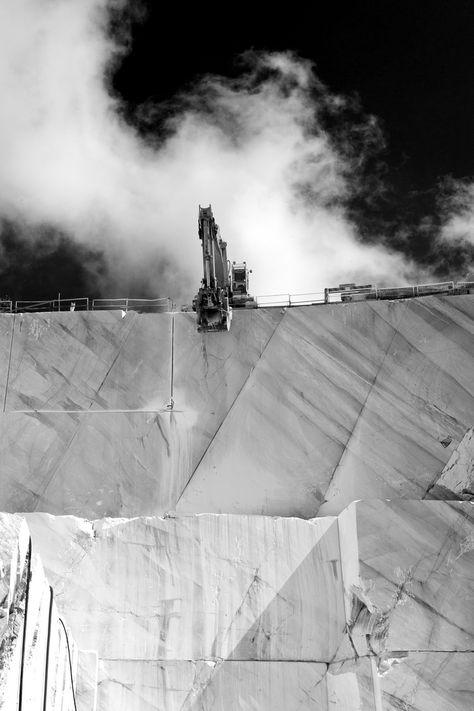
[[344, 293], [290, 299], [159, 305], [83, 303], [341, 293]]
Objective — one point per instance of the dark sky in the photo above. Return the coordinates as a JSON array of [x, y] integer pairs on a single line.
[[411, 64]]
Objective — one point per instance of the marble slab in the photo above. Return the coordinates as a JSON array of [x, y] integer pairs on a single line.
[[199, 587], [6, 342], [293, 412], [457, 478], [209, 686], [82, 360], [364, 593], [93, 464], [430, 681], [415, 590], [348, 401], [279, 445]]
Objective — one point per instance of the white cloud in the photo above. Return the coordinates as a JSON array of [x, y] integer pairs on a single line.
[[256, 152], [459, 212]]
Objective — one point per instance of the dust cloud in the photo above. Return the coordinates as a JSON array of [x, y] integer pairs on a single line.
[[258, 148]]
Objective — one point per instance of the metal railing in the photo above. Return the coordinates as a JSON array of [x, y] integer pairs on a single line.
[[290, 299], [83, 303], [165, 304], [337, 295], [159, 305], [79, 304]]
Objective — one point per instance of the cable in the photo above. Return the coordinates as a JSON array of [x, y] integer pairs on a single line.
[[23, 646], [45, 698], [70, 663]]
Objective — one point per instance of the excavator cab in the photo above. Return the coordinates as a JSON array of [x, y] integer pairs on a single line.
[[240, 286]]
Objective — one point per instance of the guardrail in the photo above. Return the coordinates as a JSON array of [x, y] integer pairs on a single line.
[[83, 303], [79, 304], [164, 304], [159, 305], [337, 295], [396, 292], [290, 299]]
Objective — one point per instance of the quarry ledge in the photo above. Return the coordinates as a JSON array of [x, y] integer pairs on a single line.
[[110, 521]]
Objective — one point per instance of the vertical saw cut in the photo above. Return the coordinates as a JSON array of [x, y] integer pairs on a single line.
[[224, 286]]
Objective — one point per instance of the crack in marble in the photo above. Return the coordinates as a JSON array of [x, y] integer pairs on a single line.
[[362, 409], [7, 379], [252, 370]]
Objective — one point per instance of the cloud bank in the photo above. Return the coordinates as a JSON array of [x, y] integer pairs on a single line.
[[259, 148]]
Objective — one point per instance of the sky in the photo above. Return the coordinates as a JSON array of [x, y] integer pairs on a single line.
[[334, 145]]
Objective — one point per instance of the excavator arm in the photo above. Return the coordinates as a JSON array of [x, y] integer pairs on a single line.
[[223, 286], [212, 303]]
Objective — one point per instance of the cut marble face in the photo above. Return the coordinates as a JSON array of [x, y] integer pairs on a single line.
[[292, 413], [356, 596], [249, 523]]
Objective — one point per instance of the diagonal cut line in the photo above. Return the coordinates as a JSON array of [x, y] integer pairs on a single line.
[[364, 404], [124, 340], [9, 365], [79, 424], [252, 370], [56, 468]]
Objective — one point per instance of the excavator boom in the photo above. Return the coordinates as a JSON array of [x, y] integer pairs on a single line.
[[212, 302], [223, 287]]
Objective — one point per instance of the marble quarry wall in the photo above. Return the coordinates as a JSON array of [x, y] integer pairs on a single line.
[[278, 517]]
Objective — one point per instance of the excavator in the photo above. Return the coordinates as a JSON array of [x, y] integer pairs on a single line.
[[224, 286]]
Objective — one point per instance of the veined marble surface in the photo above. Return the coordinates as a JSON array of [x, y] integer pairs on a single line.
[[457, 478], [254, 603], [212, 611], [293, 412]]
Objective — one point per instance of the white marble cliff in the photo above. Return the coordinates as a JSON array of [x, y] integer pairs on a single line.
[[278, 517]]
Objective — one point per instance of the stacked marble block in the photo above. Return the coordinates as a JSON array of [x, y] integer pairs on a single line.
[[366, 610], [41, 666]]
